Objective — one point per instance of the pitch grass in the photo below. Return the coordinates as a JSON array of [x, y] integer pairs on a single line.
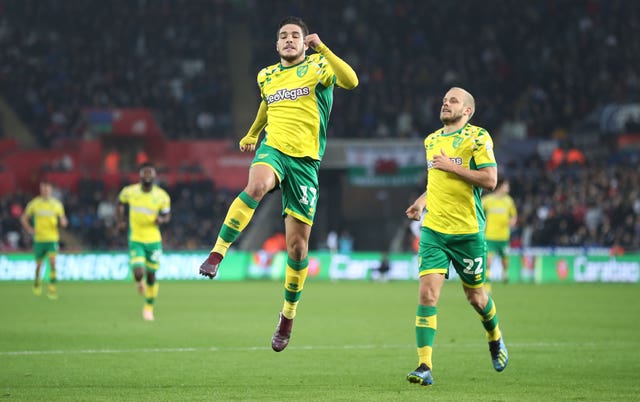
[[352, 341]]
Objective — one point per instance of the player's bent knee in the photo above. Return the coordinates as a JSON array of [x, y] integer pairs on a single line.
[[297, 253]]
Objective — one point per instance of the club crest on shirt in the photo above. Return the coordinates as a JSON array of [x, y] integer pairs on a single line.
[[302, 70]]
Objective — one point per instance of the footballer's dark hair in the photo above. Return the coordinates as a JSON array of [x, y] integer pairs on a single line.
[[502, 179], [146, 165], [295, 21]]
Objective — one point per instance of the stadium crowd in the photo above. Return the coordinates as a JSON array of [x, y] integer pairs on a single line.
[[544, 64], [597, 206], [60, 57]]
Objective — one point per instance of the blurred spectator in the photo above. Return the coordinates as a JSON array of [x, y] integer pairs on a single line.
[[112, 161], [345, 242], [141, 157], [565, 155], [384, 268], [332, 241], [106, 211], [275, 243]]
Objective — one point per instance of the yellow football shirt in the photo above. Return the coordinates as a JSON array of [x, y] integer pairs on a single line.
[[46, 214], [453, 205], [499, 209], [299, 100], [144, 208]]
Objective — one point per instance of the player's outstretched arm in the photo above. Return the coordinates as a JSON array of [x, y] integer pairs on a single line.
[[248, 142], [345, 76]]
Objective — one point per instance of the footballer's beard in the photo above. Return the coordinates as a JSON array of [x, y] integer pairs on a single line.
[[147, 183], [291, 58], [452, 119]]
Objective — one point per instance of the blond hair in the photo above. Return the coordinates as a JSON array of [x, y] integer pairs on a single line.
[[468, 100]]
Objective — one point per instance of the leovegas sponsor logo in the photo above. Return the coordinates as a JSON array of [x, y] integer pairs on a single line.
[[457, 161], [288, 94]]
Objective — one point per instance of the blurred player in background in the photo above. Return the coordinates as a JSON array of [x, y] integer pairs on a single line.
[[297, 95], [501, 217], [149, 207], [46, 213], [460, 163]]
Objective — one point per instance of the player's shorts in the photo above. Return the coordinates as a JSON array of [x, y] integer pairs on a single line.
[[298, 179], [145, 255], [498, 247], [467, 253], [42, 249]]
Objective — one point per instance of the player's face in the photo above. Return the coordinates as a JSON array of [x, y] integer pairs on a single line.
[[453, 108], [45, 190], [290, 44], [505, 187], [147, 176]]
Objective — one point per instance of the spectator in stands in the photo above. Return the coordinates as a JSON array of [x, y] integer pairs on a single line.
[[332, 241], [141, 157], [275, 243], [383, 268], [106, 211], [112, 161], [345, 242], [566, 155]]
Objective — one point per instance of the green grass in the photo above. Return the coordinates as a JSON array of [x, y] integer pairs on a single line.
[[351, 341]]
